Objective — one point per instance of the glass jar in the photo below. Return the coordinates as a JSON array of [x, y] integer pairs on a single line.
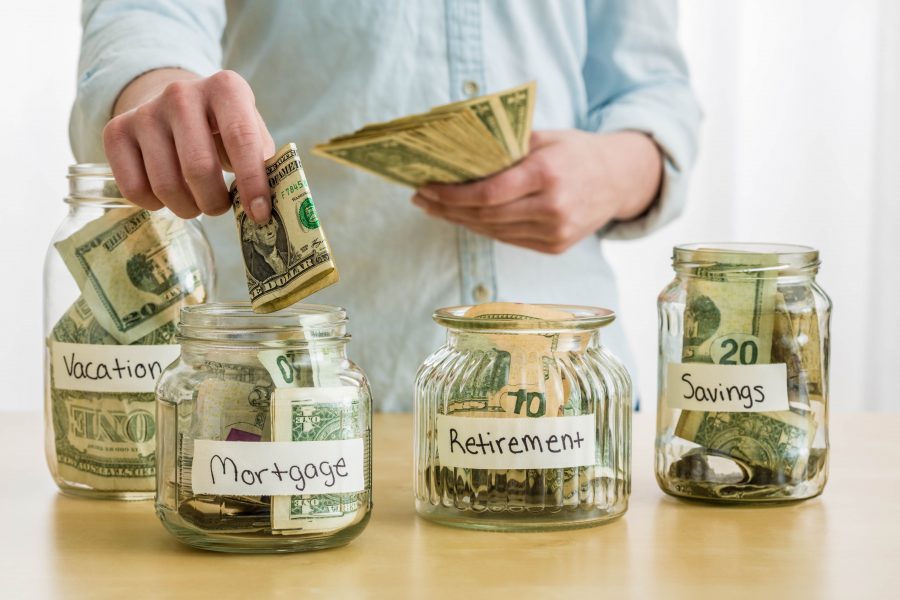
[[115, 276], [264, 431], [522, 420], [743, 374]]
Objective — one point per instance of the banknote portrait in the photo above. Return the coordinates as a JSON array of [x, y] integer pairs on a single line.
[[265, 247]]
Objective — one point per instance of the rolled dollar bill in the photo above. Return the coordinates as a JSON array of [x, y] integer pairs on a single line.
[[288, 258]]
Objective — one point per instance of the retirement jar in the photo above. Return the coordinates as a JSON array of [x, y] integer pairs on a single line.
[[264, 431], [115, 277], [522, 420], [743, 374]]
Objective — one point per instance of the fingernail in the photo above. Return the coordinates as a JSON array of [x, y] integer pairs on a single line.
[[429, 194], [259, 210]]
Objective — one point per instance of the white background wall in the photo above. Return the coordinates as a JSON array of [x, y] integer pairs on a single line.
[[798, 146]]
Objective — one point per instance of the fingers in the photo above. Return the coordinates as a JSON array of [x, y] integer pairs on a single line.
[[511, 184], [232, 105], [529, 208], [166, 152], [127, 164], [196, 151], [162, 168], [527, 235]]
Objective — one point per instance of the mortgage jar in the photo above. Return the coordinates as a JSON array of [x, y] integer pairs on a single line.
[[743, 374], [522, 420], [265, 431], [115, 277]]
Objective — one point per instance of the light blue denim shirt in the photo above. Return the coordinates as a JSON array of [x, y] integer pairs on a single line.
[[320, 68]]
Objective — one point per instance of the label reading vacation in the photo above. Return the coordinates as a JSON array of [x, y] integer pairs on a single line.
[[526, 443], [277, 468], [109, 368], [727, 388]]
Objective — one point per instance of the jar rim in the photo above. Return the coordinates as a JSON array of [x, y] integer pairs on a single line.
[[752, 257], [236, 321], [90, 170], [94, 184], [583, 318]]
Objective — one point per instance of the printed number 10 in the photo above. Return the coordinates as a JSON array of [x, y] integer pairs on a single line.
[[526, 399]]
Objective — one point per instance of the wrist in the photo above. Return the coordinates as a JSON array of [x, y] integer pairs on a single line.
[[636, 162]]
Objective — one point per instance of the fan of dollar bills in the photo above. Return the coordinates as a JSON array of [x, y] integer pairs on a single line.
[[452, 143]]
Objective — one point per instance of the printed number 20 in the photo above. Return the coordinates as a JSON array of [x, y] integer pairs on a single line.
[[747, 352]]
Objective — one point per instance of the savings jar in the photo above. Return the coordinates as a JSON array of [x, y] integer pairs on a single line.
[[743, 374]]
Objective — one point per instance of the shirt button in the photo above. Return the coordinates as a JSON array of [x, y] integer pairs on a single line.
[[470, 88], [481, 293]]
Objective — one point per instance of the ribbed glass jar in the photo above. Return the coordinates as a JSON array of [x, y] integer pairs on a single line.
[[522, 421], [115, 277], [743, 374], [264, 431]]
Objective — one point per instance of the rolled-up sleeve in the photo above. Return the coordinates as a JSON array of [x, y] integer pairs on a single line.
[[637, 79], [123, 39]]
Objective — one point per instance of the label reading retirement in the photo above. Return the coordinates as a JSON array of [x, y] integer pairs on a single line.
[[727, 388], [109, 368], [544, 443]]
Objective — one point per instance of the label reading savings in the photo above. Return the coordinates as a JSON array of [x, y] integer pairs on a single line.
[[545, 443], [727, 388]]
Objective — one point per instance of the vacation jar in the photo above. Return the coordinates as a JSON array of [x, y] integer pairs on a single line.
[[522, 420], [265, 431], [115, 277], [743, 374]]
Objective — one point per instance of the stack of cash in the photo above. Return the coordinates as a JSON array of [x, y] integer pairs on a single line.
[[135, 271], [735, 298], [452, 143]]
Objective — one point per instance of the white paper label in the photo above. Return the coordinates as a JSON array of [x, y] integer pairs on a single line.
[[109, 368], [727, 388], [523, 443], [277, 468]]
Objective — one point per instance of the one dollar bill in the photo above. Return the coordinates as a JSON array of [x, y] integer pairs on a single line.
[[288, 258], [318, 414]]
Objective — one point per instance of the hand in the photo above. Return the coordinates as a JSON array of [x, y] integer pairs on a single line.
[[571, 184], [175, 134]]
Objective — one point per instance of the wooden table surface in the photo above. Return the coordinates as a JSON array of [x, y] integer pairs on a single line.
[[844, 544]]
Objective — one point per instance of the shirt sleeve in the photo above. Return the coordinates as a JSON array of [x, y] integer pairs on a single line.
[[123, 39], [636, 79]]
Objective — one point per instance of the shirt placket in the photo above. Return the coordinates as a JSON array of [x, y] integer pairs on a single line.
[[478, 280]]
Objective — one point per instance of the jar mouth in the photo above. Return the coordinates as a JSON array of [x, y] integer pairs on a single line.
[[746, 257], [94, 184], [236, 321], [583, 318]]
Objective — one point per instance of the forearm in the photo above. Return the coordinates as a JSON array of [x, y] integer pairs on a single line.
[[147, 86]]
